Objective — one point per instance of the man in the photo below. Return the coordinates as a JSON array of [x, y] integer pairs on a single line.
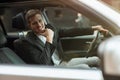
[[42, 44]]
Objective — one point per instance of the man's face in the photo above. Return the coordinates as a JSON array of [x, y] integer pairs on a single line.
[[36, 24]]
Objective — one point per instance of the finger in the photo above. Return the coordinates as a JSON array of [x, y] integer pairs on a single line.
[[94, 27], [98, 27]]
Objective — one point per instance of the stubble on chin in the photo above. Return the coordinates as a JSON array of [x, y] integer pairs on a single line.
[[40, 32]]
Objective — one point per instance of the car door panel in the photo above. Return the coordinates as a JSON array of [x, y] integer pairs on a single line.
[[76, 46]]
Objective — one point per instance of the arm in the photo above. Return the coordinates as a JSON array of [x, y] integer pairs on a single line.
[[41, 53], [75, 32], [33, 54], [104, 31], [83, 31]]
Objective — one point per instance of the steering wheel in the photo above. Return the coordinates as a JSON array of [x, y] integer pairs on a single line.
[[94, 44]]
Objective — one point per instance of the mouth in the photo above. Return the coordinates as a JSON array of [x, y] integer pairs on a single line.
[[40, 28]]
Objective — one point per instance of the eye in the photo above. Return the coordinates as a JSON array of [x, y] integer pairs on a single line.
[[34, 23], [40, 21]]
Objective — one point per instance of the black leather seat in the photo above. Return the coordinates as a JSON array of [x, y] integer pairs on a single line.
[[18, 22], [6, 54]]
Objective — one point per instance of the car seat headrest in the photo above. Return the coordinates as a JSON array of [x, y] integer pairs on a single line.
[[19, 21]]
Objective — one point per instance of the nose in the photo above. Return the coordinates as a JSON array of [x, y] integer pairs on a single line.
[[39, 24]]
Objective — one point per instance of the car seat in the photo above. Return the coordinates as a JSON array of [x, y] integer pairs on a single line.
[[19, 22], [6, 54]]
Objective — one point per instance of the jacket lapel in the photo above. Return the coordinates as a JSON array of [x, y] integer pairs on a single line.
[[32, 38]]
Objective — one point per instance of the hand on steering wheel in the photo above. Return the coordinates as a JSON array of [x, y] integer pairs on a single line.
[[94, 43]]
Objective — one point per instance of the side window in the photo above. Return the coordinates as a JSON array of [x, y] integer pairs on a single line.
[[61, 17], [65, 17]]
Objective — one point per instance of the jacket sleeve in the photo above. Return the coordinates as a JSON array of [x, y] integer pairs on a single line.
[[75, 32], [36, 55]]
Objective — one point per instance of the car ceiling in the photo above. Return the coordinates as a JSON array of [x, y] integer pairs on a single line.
[[4, 1], [30, 3]]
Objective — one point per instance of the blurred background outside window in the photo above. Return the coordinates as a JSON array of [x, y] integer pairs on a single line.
[[113, 3]]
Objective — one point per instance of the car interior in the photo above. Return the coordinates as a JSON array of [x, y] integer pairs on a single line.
[[7, 55], [18, 23], [15, 28]]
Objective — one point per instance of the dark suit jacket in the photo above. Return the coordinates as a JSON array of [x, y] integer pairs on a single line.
[[34, 51]]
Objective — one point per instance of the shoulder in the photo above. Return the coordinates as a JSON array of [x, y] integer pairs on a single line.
[[30, 34]]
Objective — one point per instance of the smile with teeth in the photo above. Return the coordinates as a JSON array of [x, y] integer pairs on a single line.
[[41, 28]]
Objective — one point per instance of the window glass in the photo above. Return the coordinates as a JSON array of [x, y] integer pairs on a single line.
[[65, 17]]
